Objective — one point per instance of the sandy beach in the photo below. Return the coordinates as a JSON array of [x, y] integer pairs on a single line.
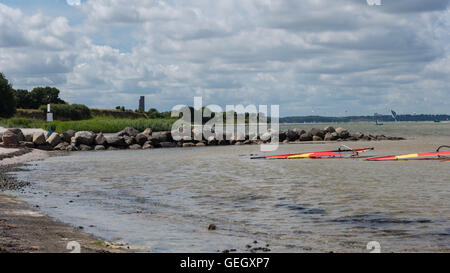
[[25, 229]]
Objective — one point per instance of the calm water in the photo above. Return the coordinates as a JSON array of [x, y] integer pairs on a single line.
[[166, 198]]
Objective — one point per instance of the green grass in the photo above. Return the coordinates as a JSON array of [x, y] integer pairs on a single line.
[[22, 123], [95, 125]]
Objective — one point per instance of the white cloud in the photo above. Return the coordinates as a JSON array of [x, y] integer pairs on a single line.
[[74, 2], [303, 55]]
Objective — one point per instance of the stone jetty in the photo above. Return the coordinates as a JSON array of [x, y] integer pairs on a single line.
[[130, 138]]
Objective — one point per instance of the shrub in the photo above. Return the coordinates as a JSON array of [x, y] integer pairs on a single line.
[[68, 112]]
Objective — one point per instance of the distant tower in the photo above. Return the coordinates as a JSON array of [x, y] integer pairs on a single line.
[[142, 104]]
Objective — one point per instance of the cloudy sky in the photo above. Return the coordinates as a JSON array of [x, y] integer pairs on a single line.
[[325, 57]]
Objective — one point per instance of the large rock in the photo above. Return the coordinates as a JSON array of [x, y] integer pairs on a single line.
[[305, 137], [342, 133], [147, 145], [84, 137], [329, 129], [129, 131], [54, 139], [141, 139], [164, 136], [67, 135], [17, 132], [357, 135], [167, 145], [85, 148], [115, 141], [71, 148], [9, 138], [317, 132], [317, 138], [135, 147], [62, 146], [100, 139], [99, 148], [129, 140], [330, 137], [28, 137], [148, 132], [292, 135], [38, 138]]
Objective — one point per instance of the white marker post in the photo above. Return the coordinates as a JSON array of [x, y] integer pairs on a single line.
[[49, 119]]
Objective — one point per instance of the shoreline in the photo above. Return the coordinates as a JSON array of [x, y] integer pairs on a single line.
[[24, 228]]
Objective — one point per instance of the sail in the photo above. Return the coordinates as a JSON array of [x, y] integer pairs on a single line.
[[394, 115]]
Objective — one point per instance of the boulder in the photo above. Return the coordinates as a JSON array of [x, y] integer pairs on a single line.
[[67, 135], [342, 133], [38, 138], [141, 139], [45, 147], [147, 132], [1, 135], [84, 137], [115, 141], [28, 144], [200, 144], [330, 137], [135, 147], [317, 132], [129, 131], [62, 146], [99, 148], [147, 145], [299, 131], [28, 137], [317, 138], [85, 148], [167, 145], [100, 139], [112, 148], [292, 135], [188, 144], [305, 137], [357, 135], [71, 148], [329, 129], [17, 132], [54, 139], [129, 140], [9, 138], [164, 136]]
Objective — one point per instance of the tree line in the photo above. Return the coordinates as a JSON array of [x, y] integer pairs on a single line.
[[11, 99]]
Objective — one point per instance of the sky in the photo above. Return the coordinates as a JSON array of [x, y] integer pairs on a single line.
[[311, 57]]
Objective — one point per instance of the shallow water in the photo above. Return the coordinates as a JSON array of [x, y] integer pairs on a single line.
[[166, 198]]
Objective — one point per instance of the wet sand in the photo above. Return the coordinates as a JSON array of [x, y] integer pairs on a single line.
[[24, 229]]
